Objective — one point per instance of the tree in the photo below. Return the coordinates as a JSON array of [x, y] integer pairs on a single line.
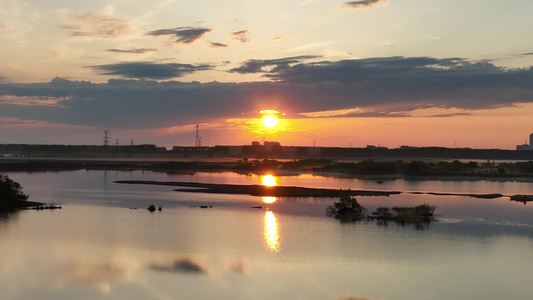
[[10, 194]]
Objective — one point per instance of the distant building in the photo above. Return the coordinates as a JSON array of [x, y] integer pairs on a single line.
[[269, 145], [523, 147], [374, 147], [526, 146]]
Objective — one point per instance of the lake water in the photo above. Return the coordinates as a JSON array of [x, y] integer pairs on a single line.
[[98, 247]]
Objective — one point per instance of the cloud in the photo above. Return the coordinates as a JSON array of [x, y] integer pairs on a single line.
[[239, 267], [352, 297], [181, 266], [260, 66], [148, 70], [133, 50], [98, 24], [184, 35], [362, 4], [300, 87], [242, 36], [216, 45]]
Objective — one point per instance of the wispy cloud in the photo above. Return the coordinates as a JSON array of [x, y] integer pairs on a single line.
[[216, 45], [184, 35], [285, 37], [258, 65], [362, 4], [148, 70], [133, 50], [98, 24], [242, 36]]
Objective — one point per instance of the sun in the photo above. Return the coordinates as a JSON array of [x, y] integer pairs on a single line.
[[270, 121]]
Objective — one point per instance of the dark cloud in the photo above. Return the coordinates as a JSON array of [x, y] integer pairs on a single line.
[[181, 266], [362, 3], [527, 54], [260, 66], [216, 45], [378, 87], [450, 82], [133, 50], [149, 70], [242, 36], [185, 35]]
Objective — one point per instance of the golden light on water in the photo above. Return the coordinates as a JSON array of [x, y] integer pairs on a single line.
[[271, 228], [268, 180], [269, 200]]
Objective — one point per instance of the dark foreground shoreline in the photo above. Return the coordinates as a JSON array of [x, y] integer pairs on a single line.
[[260, 190], [293, 191]]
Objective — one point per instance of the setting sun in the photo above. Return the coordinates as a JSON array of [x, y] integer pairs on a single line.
[[268, 180], [270, 121]]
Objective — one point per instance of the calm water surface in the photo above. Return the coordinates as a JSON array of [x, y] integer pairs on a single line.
[[98, 247]]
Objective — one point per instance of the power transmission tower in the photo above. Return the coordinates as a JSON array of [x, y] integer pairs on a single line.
[[106, 137], [198, 137]]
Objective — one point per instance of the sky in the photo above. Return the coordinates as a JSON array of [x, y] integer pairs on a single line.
[[335, 73]]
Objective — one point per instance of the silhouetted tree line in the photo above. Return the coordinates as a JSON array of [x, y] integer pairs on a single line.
[[421, 168], [31, 149]]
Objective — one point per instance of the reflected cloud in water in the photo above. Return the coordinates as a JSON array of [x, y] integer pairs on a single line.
[[271, 228], [181, 266], [99, 275], [239, 267], [352, 297]]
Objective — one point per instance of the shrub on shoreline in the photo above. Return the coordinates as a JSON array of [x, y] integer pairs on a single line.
[[10, 194]]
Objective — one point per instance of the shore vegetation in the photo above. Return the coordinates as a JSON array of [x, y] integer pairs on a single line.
[[11, 194]]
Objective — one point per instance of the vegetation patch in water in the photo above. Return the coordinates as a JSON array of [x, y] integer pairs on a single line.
[[349, 210]]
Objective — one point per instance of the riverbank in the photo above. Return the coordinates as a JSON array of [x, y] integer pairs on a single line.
[[368, 169]]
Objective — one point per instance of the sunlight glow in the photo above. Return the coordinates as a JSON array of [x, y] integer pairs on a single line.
[[270, 121], [271, 228], [268, 180]]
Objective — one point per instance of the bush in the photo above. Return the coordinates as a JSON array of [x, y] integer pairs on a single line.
[[10, 194], [347, 210]]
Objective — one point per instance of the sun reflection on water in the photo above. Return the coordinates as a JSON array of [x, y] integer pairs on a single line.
[[271, 228], [269, 200]]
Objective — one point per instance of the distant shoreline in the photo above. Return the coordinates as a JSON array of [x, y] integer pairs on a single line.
[[382, 169]]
